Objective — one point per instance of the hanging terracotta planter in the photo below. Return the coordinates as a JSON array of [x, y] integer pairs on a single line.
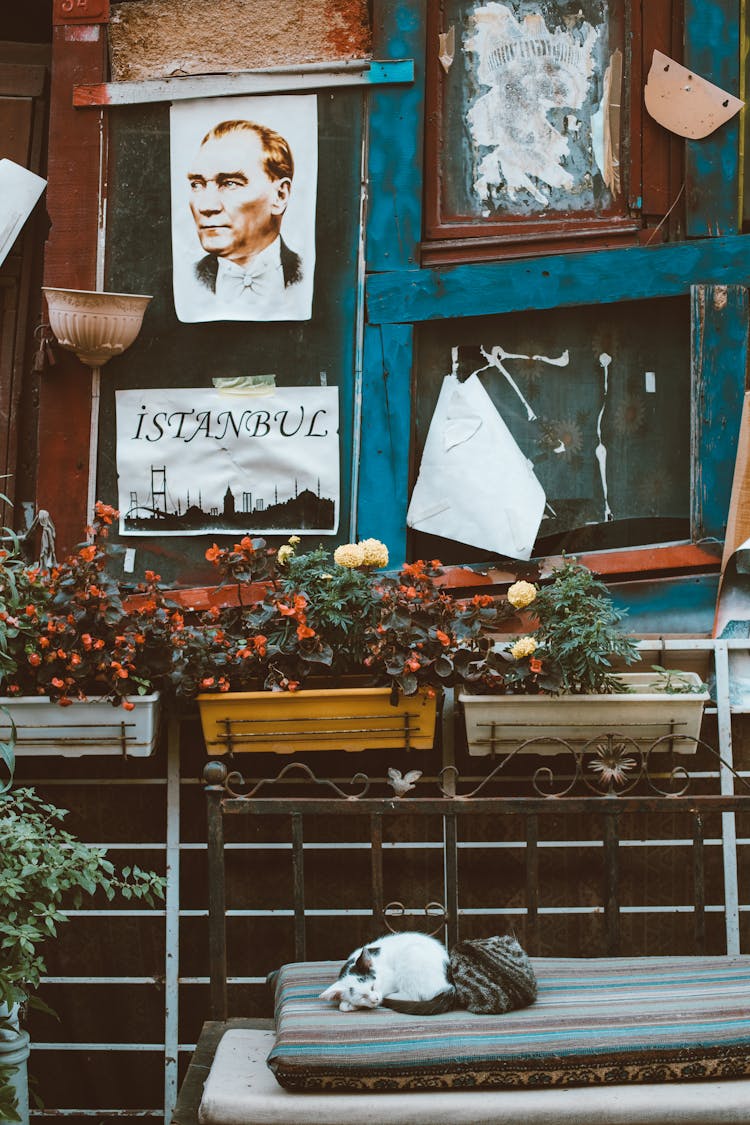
[[497, 724], [86, 727], [350, 719]]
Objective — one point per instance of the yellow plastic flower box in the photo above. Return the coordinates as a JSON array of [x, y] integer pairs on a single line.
[[347, 719]]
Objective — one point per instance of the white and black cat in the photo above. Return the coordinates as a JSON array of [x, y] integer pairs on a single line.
[[412, 973], [407, 972]]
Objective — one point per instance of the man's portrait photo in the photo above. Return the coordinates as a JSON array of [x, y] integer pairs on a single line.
[[244, 178]]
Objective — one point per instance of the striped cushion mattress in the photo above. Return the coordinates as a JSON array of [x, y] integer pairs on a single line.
[[596, 1021]]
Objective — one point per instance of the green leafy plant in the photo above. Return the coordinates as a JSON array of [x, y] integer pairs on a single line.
[[45, 870], [292, 617], [576, 641], [673, 682]]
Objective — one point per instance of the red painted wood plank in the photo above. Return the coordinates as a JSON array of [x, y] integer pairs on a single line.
[[94, 94], [654, 561], [640, 562]]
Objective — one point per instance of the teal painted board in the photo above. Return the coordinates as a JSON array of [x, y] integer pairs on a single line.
[[394, 223], [594, 277], [684, 604], [169, 353], [719, 338], [712, 165], [386, 430]]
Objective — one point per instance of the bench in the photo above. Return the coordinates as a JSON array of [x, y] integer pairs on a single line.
[[494, 852]]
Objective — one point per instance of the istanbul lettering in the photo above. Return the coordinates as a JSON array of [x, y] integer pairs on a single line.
[[189, 425]]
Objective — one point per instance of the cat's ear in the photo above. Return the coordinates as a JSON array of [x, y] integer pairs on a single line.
[[363, 965], [333, 993]]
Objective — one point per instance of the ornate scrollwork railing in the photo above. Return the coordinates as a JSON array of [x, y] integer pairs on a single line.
[[608, 765]]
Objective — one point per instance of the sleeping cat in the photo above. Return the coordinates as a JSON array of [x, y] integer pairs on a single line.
[[407, 972]]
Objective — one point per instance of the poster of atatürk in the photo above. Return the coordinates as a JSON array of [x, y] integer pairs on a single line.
[[202, 461], [244, 177]]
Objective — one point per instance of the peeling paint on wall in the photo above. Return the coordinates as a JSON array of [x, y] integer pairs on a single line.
[[164, 38], [601, 449], [537, 83]]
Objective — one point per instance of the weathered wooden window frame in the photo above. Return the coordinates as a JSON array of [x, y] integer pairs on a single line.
[[652, 162]]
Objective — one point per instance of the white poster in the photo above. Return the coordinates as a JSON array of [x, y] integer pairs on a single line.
[[202, 461], [19, 191], [244, 183]]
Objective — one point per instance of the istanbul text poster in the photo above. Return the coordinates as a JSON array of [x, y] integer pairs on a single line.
[[201, 461]]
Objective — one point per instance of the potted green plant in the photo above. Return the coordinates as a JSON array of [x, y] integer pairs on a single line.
[[561, 681], [43, 870], [70, 650], [272, 668]]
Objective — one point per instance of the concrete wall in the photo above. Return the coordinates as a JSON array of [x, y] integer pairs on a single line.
[[162, 38]]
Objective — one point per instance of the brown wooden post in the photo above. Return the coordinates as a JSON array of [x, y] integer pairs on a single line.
[[76, 166]]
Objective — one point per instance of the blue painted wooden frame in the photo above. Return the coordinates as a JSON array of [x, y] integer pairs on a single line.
[[394, 231], [399, 294], [591, 278], [712, 165], [719, 349]]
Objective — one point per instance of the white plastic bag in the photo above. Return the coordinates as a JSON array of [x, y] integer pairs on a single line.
[[475, 485]]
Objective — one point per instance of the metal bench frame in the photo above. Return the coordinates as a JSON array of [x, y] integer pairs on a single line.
[[567, 784]]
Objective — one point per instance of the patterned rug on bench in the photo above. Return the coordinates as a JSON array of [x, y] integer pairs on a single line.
[[595, 1022]]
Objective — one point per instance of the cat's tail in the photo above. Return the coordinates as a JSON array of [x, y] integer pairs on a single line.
[[442, 1002]]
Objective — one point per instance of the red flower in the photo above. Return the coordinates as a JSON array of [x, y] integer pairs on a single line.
[[128, 705], [87, 553], [105, 512], [213, 553], [34, 659], [442, 637], [304, 631], [535, 664]]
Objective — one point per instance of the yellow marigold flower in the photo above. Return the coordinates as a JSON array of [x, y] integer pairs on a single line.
[[294, 540], [350, 555], [521, 594], [374, 552], [284, 554], [524, 646]]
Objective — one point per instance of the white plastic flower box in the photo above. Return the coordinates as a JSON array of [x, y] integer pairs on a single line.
[[499, 723], [86, 727]]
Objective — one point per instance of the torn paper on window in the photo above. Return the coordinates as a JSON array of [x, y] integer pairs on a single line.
[[475, 485], [19, 191], [685, 103], [526, 141]]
